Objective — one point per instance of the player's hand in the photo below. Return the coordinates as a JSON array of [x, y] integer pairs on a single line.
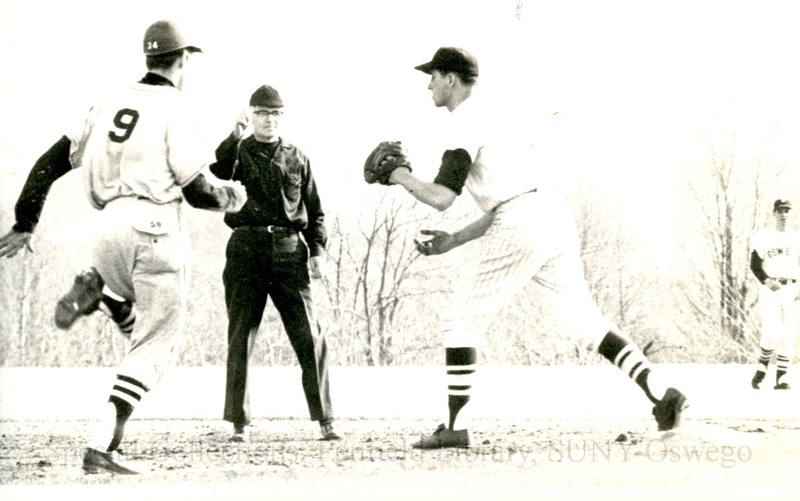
[[316, 265], [440, 243], [242, 122], [13, 241]]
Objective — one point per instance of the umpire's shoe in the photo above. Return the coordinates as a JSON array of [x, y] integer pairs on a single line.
[[240, 434], [95, 461], [444, 437], [328, 431], [668, 410], [82, 298]]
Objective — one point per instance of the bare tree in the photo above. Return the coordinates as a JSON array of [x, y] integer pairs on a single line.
[[728, 200]]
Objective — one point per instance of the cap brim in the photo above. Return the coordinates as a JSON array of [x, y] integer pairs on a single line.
[[425, 68]]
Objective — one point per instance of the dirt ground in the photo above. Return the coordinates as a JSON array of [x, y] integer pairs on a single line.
[[508, 458]]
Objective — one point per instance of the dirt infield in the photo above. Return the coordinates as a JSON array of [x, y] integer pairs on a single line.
[[508, 456]]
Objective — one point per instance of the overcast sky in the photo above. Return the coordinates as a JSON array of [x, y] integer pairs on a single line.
[[638, 88]]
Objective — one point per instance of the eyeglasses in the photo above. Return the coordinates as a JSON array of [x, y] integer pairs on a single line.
[[268, 113]]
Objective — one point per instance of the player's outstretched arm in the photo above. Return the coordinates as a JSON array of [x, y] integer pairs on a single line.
[[438, 196], [228, 197]]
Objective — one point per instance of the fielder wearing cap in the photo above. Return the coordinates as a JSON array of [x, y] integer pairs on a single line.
[[452, 60], [775, 263], [782, 204], [526, 234]]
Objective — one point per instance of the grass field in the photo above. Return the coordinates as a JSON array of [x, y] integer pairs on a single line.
[[557, 432]]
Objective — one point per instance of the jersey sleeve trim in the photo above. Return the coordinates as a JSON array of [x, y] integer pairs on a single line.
[[454, 169]]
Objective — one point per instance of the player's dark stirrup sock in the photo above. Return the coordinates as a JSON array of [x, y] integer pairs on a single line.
[[124, 411], [764, 358], [126, 393], [621, 351], [460, 372], [121, 312], [782, 364]]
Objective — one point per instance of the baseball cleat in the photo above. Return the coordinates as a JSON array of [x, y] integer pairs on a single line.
[[240, 434], [95, 461], [82, 299], [444, 437], [668, 410], [328, 432], [758, 377], [783, 386]]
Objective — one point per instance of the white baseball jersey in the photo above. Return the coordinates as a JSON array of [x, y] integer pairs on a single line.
[[779, 251], [155, 162], [532, 237], [503, 162], [137, 149]]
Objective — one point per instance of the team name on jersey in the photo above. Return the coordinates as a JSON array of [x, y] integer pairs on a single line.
[[780, 251]]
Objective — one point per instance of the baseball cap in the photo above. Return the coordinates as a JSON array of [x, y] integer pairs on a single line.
[[781, 204], [451, 59], [266, 96], [165, 36]]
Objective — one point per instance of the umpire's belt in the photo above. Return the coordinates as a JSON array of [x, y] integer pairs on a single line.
[[270, 228], [784, 281]]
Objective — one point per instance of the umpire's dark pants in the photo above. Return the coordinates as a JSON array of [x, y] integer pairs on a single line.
[[258, 265]]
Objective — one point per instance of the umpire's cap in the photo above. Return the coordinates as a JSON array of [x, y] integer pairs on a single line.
[[163, 37], [267, 97], [451, 59], [781, 204]]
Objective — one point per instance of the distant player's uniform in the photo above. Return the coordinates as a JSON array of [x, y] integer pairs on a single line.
[[776, 254]]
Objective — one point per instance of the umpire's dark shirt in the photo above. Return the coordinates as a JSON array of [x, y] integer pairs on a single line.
[[280, 187]]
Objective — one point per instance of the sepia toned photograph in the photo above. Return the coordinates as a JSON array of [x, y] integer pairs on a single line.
[[432, 249]]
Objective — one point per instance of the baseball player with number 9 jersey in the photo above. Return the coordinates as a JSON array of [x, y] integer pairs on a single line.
[[140, 158], [775, 261]]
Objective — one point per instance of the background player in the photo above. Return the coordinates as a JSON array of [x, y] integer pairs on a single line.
[[526, 233], [140, 158], [775, 261]]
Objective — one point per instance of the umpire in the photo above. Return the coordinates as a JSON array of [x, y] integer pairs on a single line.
[[277, 236]]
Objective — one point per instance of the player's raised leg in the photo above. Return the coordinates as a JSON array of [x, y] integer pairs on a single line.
[[621, 351]]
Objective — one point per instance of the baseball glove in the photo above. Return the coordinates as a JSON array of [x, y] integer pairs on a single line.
[[385, 158]]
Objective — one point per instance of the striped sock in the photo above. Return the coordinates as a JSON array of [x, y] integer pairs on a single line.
[[626, 355], [461, 364], [764, 358], [782, 364], [121, 312], [125, 394]]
